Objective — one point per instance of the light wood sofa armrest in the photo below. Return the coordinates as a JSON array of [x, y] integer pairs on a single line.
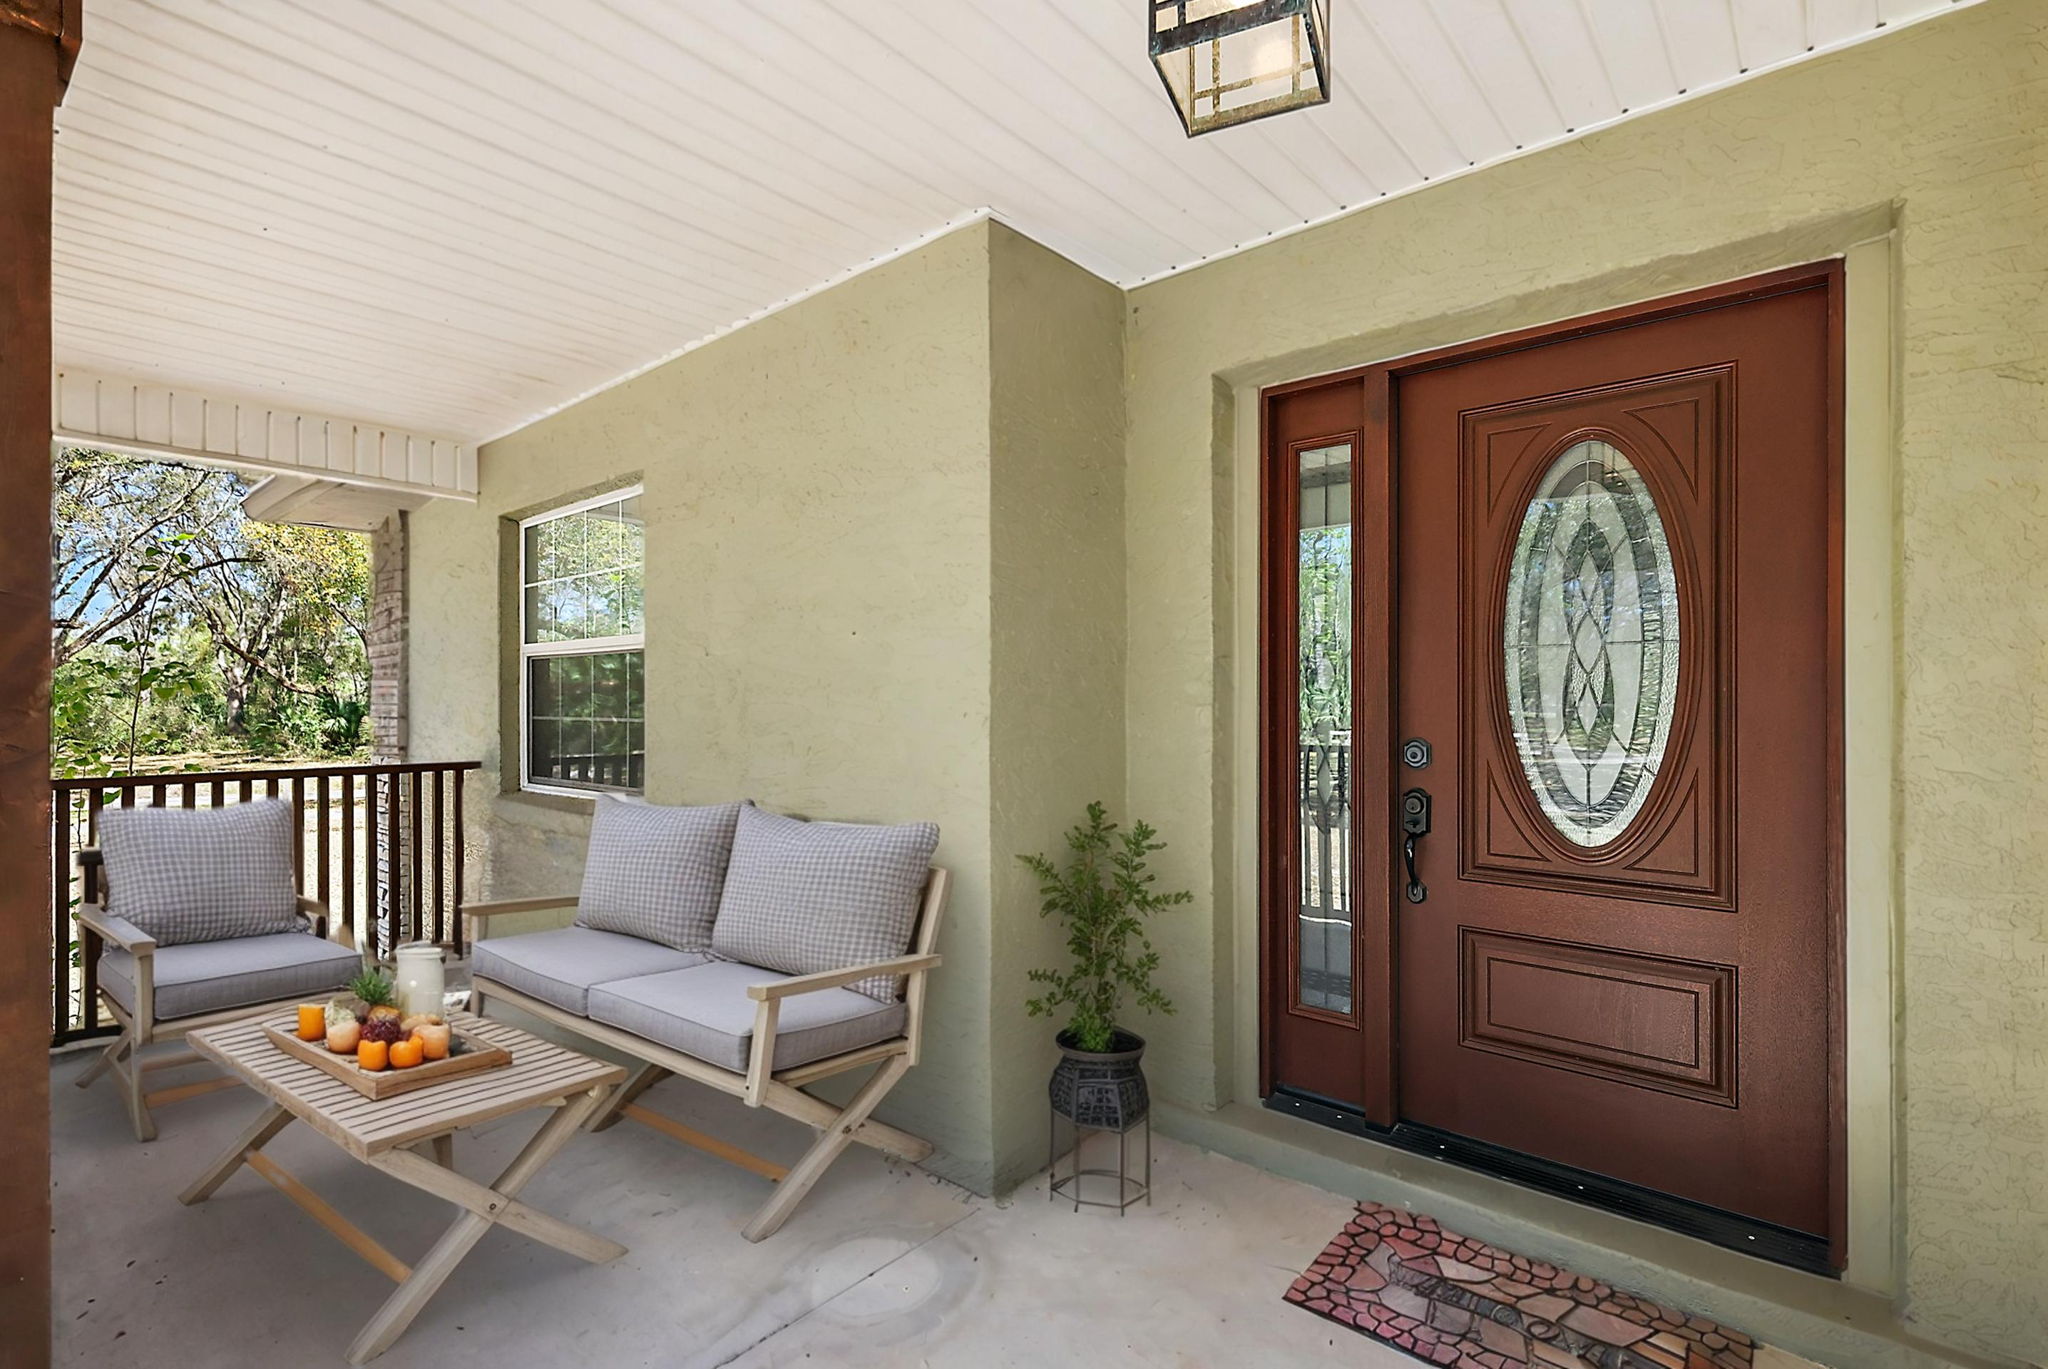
[[115, 931], [482, 913], [768, 1010], [833, 979]]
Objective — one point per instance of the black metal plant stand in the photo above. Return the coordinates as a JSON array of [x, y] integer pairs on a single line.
[[1098, 1093]]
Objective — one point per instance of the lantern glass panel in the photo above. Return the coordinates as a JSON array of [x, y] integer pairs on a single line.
[[1226, 62]]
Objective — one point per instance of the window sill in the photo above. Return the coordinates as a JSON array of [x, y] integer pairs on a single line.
[[551, 802]]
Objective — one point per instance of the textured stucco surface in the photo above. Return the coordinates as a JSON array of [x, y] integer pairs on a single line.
[[879, 524], [884, 582], [1057, 738], [817, 504], [1936, 132]]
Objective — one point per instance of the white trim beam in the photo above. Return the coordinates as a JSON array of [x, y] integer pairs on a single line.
[[175, 424]]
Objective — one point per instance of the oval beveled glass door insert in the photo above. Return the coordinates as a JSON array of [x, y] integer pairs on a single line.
[[1591, 642]]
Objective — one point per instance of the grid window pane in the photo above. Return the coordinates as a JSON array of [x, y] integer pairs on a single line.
[[590, 735], [582, 583], [582, 574]]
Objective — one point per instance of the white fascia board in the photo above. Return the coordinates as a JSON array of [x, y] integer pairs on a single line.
[[163, 422]]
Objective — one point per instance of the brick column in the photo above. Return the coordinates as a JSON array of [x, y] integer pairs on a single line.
[[388, 624], [388, 630]]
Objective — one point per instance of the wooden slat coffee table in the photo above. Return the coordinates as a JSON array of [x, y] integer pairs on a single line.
[[380, 1132]]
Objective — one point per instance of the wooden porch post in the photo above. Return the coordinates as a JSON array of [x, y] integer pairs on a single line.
[[38, 42]]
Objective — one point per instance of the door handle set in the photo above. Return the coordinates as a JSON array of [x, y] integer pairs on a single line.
[[1415, 812]]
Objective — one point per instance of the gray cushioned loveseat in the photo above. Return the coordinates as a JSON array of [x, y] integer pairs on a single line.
[[748, 951]]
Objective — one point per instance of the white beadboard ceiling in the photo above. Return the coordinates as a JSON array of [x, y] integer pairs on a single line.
[[451, 216]]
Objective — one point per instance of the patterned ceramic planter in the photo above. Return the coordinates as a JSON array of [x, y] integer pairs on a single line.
[[1101, 1090]]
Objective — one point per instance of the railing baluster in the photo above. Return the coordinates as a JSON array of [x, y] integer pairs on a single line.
[[320, 843], [455, 914], [348, 858], [440, 830], [248, 788], [299, 830], [418, 899], [91, 889], [394, 866], [220, 794]]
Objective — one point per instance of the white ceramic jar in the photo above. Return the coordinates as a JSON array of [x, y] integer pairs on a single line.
[[420, 984]]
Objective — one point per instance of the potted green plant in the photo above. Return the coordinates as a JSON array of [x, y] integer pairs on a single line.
[[1103, 894]]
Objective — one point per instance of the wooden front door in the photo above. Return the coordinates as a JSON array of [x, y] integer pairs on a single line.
[[1593, 787]]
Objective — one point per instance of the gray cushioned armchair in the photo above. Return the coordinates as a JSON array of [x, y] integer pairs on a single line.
[[160, 986]]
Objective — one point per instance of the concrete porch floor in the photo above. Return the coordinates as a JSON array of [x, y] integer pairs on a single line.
[[883, 1266]]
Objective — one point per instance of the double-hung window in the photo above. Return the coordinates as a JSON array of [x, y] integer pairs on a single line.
[[582, 636]]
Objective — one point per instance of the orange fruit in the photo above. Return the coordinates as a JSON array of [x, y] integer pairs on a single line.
[[406, 1054], [373, 1055]]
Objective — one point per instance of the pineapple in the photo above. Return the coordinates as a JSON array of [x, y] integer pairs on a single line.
[[376, 992]]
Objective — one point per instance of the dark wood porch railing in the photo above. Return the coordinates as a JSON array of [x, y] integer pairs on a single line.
[[381, 845]]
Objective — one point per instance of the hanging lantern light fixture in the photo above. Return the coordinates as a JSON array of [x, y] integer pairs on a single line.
[[1227, 62]]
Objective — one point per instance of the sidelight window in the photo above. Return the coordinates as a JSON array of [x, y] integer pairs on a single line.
[[1323, 596]]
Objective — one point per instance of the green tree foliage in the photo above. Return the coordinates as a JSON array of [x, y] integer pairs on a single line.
[[1102, 895], [180, 628]]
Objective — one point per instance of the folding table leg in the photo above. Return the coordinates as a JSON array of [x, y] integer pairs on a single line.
[[461, 1237], [412, 1168]]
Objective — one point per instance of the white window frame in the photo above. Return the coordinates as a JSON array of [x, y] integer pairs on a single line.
[[586, 646]]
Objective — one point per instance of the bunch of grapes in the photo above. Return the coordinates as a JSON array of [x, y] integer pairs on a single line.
[[385, 1029]]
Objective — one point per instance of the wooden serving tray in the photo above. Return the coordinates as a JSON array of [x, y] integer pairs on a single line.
[[477, 1054]]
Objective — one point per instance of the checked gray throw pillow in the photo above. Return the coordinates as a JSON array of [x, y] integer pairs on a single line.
[[804, 897], [656, 872], [202, 874]]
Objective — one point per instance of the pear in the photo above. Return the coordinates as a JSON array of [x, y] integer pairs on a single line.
[[342, 1037]]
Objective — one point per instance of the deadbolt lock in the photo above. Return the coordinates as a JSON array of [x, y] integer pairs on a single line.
[[1415, 753]]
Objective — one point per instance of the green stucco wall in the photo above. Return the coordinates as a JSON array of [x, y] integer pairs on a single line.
[[817, 504], [958, 539], [1936, 132], [848, 507], [1057, 736]]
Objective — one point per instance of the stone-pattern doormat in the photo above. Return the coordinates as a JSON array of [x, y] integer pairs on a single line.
[[1450, 1300]]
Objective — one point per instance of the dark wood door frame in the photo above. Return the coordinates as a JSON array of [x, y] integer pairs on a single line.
[[38, 42], [1375, 594]]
